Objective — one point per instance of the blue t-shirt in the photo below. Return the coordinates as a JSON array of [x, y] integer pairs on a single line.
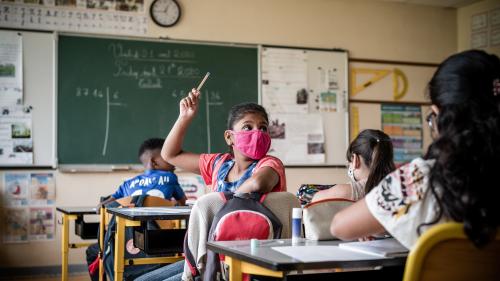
[[154, 183]]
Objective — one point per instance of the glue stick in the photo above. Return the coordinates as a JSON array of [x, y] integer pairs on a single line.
[[296, 224]]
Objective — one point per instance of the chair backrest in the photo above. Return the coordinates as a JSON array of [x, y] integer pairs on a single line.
[[204, 211], [445, 253]]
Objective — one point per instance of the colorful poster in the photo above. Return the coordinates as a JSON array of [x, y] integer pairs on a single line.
[[16, 225], [403, 123], [16, 189], [193, 186], [16, 140], [43, 190], [41, 223], [11, 68]]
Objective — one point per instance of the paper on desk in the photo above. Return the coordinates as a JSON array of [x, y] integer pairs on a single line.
[[160, 210], [321, 253]]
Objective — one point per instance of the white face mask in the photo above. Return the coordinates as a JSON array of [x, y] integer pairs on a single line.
[[350, 173]]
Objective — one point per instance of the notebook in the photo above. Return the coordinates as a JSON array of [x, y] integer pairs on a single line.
[[389, 247]]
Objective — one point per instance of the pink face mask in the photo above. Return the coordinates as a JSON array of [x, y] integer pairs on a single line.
[[253, 144]]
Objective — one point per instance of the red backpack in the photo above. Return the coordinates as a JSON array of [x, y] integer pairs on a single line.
[[243, 217]]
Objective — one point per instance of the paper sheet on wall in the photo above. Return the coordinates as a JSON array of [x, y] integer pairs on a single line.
[[42, 223], [193, 186], [16, 189], [297, 139], [11, 68], [42, 189], [107, 17], [16, 140], [403, 124], [16, 224], [284, 81]]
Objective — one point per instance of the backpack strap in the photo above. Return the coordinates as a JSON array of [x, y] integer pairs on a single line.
[[226, 196], [215, 169], [189, 258]]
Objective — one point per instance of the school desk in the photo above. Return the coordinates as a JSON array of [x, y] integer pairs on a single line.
[[71, 214], [263, 260], [138, 217]]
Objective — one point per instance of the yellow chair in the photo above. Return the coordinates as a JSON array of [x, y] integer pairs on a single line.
[[445, 253]]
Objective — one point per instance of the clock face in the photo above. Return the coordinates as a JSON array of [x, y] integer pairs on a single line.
[[165, 12]]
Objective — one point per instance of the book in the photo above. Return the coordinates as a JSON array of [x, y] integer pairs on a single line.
[[388, 247]]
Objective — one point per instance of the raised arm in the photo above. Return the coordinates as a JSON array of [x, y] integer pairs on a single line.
[[172, 148]]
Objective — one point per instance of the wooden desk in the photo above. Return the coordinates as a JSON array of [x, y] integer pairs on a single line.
[[133, 217], [265, 261], [71, 214]]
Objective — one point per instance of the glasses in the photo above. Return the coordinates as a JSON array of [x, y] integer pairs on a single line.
[[430, 119]]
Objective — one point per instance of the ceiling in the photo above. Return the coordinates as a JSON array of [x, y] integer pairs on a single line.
[[438, 3]]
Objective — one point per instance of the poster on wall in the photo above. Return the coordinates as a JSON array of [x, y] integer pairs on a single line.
[[91, 16], [11, 68], [16, 189], [41, 223], [16, 140], [15, 225], [193, 186], [297, 139], [284, 81], [403, 123], [42, 189]]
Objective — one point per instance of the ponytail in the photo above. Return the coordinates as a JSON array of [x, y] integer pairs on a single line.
[[375, 147]]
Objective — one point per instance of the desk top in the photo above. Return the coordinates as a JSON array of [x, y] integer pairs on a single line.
[[152, 213], [77, 210], [264, 256]]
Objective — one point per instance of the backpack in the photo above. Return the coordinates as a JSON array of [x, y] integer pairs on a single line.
[[242, 217], [134, 271]]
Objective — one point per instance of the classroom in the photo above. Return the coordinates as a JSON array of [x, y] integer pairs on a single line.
[[95, 79]]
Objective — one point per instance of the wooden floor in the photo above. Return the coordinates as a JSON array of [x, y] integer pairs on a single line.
[[82, 277]]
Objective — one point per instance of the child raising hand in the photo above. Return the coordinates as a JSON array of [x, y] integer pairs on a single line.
[[246, 168]]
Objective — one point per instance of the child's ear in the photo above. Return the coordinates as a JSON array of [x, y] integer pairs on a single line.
[[227, 137], [356, 161]]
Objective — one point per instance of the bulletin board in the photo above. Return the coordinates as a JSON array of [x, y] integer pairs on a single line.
[[305, 92], [392, 97]]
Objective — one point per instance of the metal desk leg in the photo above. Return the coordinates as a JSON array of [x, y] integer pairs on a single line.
[[119, 248], [234, 269], [102, 227], [65, 244], [64, 247]]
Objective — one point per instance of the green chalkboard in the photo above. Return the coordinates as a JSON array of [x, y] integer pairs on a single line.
[[115, 93]]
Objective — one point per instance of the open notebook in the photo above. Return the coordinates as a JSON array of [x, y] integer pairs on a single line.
[[389, 247]]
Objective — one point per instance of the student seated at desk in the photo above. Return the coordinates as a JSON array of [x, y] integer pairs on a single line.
[[370, 158], [157, 180], [456, 180], [246, 168]]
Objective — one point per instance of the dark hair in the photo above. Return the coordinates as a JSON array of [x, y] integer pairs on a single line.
[[467, 149], [151, 144], [238, 111], [375, 147]]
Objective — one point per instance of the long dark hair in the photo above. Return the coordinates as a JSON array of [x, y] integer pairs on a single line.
[[467, 150], [375, 147]]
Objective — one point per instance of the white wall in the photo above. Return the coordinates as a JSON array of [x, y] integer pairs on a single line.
[[375, 30]]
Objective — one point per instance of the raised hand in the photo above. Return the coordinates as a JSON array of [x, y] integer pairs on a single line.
[[188, 106]]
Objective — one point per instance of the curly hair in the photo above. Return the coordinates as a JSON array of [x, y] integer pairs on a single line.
[[151, 144], [467, 148]]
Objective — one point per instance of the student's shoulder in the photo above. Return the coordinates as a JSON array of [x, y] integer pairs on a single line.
[[270, 159]]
